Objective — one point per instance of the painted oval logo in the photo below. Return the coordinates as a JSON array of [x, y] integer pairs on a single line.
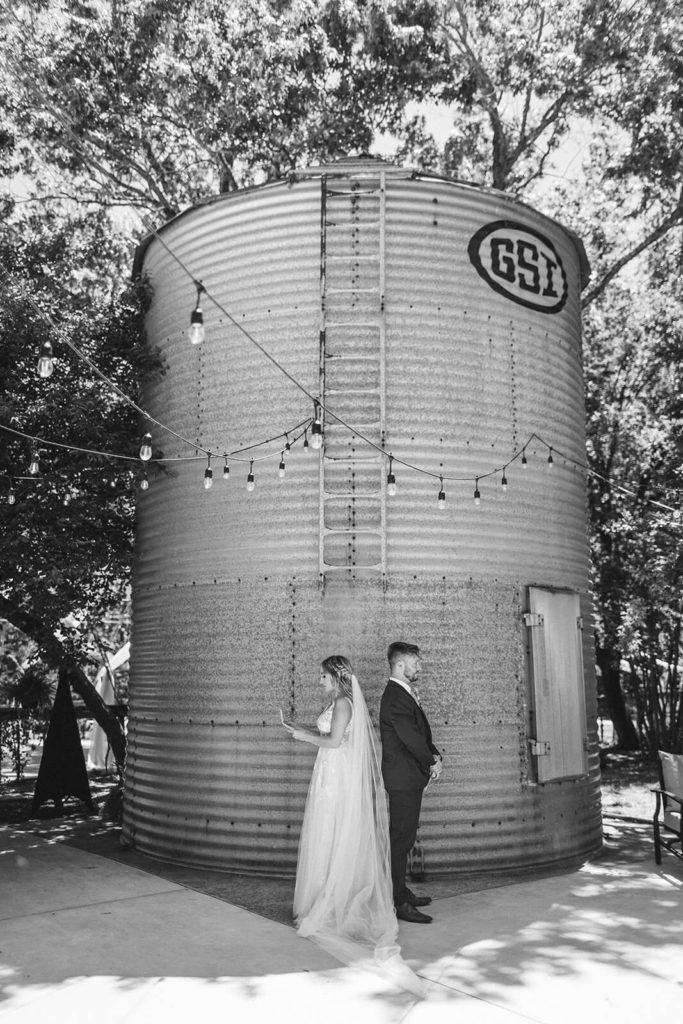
[[521, 264]]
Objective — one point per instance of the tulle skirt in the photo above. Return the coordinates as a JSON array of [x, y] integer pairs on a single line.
[[343, 893]]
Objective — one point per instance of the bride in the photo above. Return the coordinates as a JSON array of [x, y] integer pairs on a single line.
[[343, 895]]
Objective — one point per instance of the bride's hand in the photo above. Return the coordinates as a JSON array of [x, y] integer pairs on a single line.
[[288, 727]]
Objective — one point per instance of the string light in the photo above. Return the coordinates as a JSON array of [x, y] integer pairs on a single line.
[[441, 500], [144, 483], [208, 476], [197, 334], [525, 461], [251, 483], [146, 448], [45, 363], [34, 467], [391, 479], [281, 468], [11, 494], [306, 444], [316, 429], [226, 470], [504, 481], [288, 446], [477, 493], [550, 459]]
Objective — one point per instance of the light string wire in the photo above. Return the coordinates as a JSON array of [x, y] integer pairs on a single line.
[[232, 456], [68, 127]]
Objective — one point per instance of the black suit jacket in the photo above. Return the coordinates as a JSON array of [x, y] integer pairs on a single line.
[[407, 748]]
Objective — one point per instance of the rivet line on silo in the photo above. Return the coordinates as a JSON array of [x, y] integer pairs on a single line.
[[513, 386]]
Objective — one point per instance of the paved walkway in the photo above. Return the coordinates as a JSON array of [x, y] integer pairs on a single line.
[[86, 938]]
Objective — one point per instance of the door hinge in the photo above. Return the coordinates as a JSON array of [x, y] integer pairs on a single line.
[[533, 619], [539, 748]]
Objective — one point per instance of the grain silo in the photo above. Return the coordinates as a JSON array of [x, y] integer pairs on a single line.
[[440, 322]]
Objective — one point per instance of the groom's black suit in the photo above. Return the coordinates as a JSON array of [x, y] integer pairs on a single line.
[[407, 754]]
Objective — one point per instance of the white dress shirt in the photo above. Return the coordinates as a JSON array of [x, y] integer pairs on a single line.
[[406, 687]]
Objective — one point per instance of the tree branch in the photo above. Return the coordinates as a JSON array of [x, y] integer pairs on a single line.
[[674, 218]]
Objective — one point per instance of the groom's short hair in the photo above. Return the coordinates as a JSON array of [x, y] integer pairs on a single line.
[[399, 649]]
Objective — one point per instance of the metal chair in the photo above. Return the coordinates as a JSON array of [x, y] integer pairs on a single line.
[[667, 823]]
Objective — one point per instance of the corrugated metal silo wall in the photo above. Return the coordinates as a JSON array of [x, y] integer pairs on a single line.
[[230, 619]]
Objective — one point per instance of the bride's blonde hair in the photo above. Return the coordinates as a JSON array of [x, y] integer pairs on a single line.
[[340, 669]]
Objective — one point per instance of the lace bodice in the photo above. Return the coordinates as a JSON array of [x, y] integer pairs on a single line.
[[324, 723]]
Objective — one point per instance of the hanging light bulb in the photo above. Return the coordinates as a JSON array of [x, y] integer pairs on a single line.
[[146, 448], [11, 495], [144, 483], [551, 461], [525, 461], [208, 476], [306, 444], [316, 429], [477, 493], [251, 483], [45, 363], [281, 468], [504, 482], [34, 467], [197, 320], [441, 500], [226, 470], [391, 479]]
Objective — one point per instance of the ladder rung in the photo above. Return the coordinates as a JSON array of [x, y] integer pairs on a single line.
[[351, 391], [347, 359], [348, 259], [358, 224], [375, 566], [328, 530], [356, 462], [351, 291], [352, 323], [366, 496], [355, 494], [337, 193]]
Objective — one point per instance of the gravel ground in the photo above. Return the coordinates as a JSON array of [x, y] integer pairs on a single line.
[[626, 783]]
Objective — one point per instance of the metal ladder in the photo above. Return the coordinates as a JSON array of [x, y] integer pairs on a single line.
[[352, 374]]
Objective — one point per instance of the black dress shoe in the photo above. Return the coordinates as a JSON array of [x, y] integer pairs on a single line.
[[406, 912], [418, 901]]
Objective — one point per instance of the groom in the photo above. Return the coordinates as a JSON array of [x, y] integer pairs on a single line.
[[409, 760]]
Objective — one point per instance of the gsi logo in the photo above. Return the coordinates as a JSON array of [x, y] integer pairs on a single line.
[[521, 264]]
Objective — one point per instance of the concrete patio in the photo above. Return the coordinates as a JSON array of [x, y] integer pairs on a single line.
[[118, 938]]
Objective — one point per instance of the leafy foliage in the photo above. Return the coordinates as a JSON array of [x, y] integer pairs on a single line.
[[634, 377], [68, 538], [160, 103]]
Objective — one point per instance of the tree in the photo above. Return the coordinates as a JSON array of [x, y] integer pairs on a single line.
[[635, 352], [523, 74], [154, 105], [68, 536]]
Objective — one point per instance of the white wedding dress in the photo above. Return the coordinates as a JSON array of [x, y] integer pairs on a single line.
[[343, 896]]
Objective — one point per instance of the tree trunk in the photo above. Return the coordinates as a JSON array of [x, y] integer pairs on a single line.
[[627, 734], [101, 712], [55, 656]]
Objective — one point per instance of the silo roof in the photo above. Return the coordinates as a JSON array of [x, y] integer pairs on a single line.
[[346, 166]]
